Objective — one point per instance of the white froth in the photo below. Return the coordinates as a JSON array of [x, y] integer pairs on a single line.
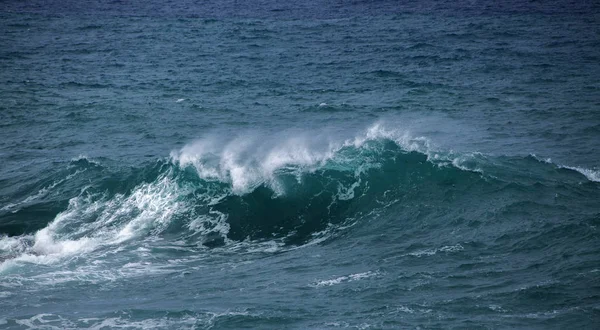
[[342, 279], [14, 244], [589, 174], [430, 252], [89, 224], [155, 204], [247, 162], [465, 163], [214, 222], [46, 321], [250, 160], [47, 244]]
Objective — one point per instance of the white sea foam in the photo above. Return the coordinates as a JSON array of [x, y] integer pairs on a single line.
[[213, 222], [430, 252], [589, 174], [46, 321], [191, 321], [13, 245], [52, 321], [86, 158], [160, 323], [543, 160], [251, 160], [346, 278], [89, 224]]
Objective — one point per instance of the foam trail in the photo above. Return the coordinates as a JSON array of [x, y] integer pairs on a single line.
[[91, 222]]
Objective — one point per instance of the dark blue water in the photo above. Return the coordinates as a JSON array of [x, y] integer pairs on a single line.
[[310, 165]]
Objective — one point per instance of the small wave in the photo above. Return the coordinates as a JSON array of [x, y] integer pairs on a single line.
[[342, 279], [431, 252], [543, 160], [84, 160], [137, 319], [589, 174]]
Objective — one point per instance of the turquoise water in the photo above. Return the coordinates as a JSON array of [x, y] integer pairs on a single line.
[[311, 165]]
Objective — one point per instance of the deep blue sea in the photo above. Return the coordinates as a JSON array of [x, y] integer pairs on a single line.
[[299, 165]]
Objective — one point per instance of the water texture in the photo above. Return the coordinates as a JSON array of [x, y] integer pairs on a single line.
[[314, 165]]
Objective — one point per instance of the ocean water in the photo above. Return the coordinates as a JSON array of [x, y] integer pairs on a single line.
[[302, 165]]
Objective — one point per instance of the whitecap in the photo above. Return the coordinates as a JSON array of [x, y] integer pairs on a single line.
[[589, 174], [430, 252], [346, 278]]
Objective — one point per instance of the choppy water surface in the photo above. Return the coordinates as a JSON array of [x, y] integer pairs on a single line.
[[356, 165]]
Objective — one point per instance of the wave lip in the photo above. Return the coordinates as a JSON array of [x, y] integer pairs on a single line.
[[247, 161], [589, 174]]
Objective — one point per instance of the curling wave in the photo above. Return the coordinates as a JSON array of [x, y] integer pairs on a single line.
[[287, 190]]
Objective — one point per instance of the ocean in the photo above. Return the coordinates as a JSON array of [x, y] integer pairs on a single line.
[[299, 165]]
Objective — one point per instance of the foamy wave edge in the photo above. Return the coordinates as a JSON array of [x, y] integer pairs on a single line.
[[247, 161]]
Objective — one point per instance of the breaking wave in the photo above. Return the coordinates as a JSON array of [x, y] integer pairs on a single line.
[[250, 190]]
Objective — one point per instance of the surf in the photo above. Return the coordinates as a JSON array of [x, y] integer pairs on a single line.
[[283, 190]]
